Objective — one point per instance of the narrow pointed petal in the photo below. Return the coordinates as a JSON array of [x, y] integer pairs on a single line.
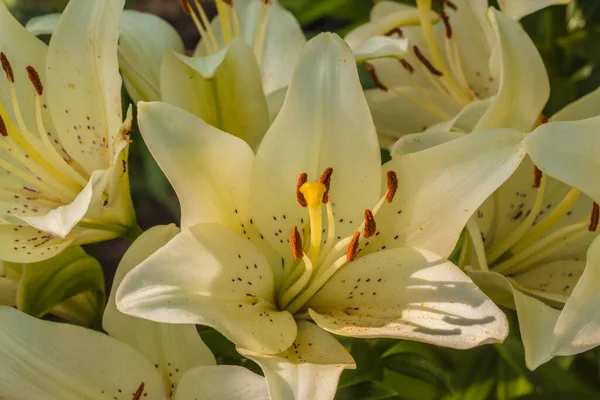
[[222, 382], [59, 367], [209, 169], [174, 348], [209, 275], [518, 9], [224, 89], [442, 176], [324, 123], [536, 323], [409, 294], [83, 81], [524, 85], [578, 327], [309, 369], [567, 151]]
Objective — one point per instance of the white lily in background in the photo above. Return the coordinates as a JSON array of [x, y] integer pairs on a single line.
[[140, 360], [239, 71], [256, 261], [69, 285], [529, 242], [63, 149], [458, 68]]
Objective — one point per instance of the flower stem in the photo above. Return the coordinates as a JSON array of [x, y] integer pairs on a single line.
[[133, 233]]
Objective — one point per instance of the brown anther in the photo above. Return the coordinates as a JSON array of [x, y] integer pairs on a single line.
[[398, 31], [267, 2], [302, 179], [34, 77], [228, 2], [446, 22], [326, 181], [594, 218], [543, 119], [352, 247], [7, 68], [371, 70], [370, 224], [185, 6], [450, 5], [426, 62], [3, 130], [296, 243], [537, 177], [139, 392], [407, 66], [392, 185]]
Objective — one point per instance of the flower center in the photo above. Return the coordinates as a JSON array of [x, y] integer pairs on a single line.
[[51, 175], [230, 25], [322, 258], [446, 76]]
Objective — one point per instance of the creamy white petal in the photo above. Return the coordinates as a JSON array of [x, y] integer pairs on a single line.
[[578, 327], [309, 369], [175, 349], [517, 9], [24, 244], [224, 89], [553, 281], [441, 187], [223, 382], [324, 123], [421, 141], [209, 169], [584, 107], [410, 294], [381, 47], [568, 151], [209, 275], [47, 360], [83, 81], [524, 85]]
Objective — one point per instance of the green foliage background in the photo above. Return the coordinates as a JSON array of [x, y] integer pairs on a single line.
[[568, 37]]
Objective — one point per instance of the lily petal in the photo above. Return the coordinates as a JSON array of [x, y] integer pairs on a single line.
[[224, 89], [175, 349], [222, 382], [518, 9], [524, 85], [25, 244], [578, 327], [209, 169], [83, 81], [568, 151], [421, 141], [474, 164], [58, 363], [209, 275], [410, 294], [324, 123], [309, 369], [381, 47], [553, 281], [582, 108]]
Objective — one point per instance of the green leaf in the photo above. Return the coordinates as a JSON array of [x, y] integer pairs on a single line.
[[43, 286], [368, 365], [366, 391]]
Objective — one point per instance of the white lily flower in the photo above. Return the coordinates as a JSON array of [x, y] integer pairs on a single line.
[[534, 244], [69, 285], [140, 360], [266, 245], [517, 9], [465, 69], [64, 144]]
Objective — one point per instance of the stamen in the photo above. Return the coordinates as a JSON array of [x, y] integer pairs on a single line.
[[261, 31], [139, 392], [397, 31], [208, 43], [371, 70], [594, 218], [34, 77], [207, 25], [185, 6], [296, 243], [426, 62], [3, 130], [228, 2], [7, 68], [447, 25], [370, 224], [326, 181], [407, 66], [223, 10], [353, 247], [299, 196], [543, 119], [392, 185], [450, 5], [537, 177], [313, 194]]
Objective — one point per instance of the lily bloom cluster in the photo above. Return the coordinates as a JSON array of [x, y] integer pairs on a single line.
[[291, 229]]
